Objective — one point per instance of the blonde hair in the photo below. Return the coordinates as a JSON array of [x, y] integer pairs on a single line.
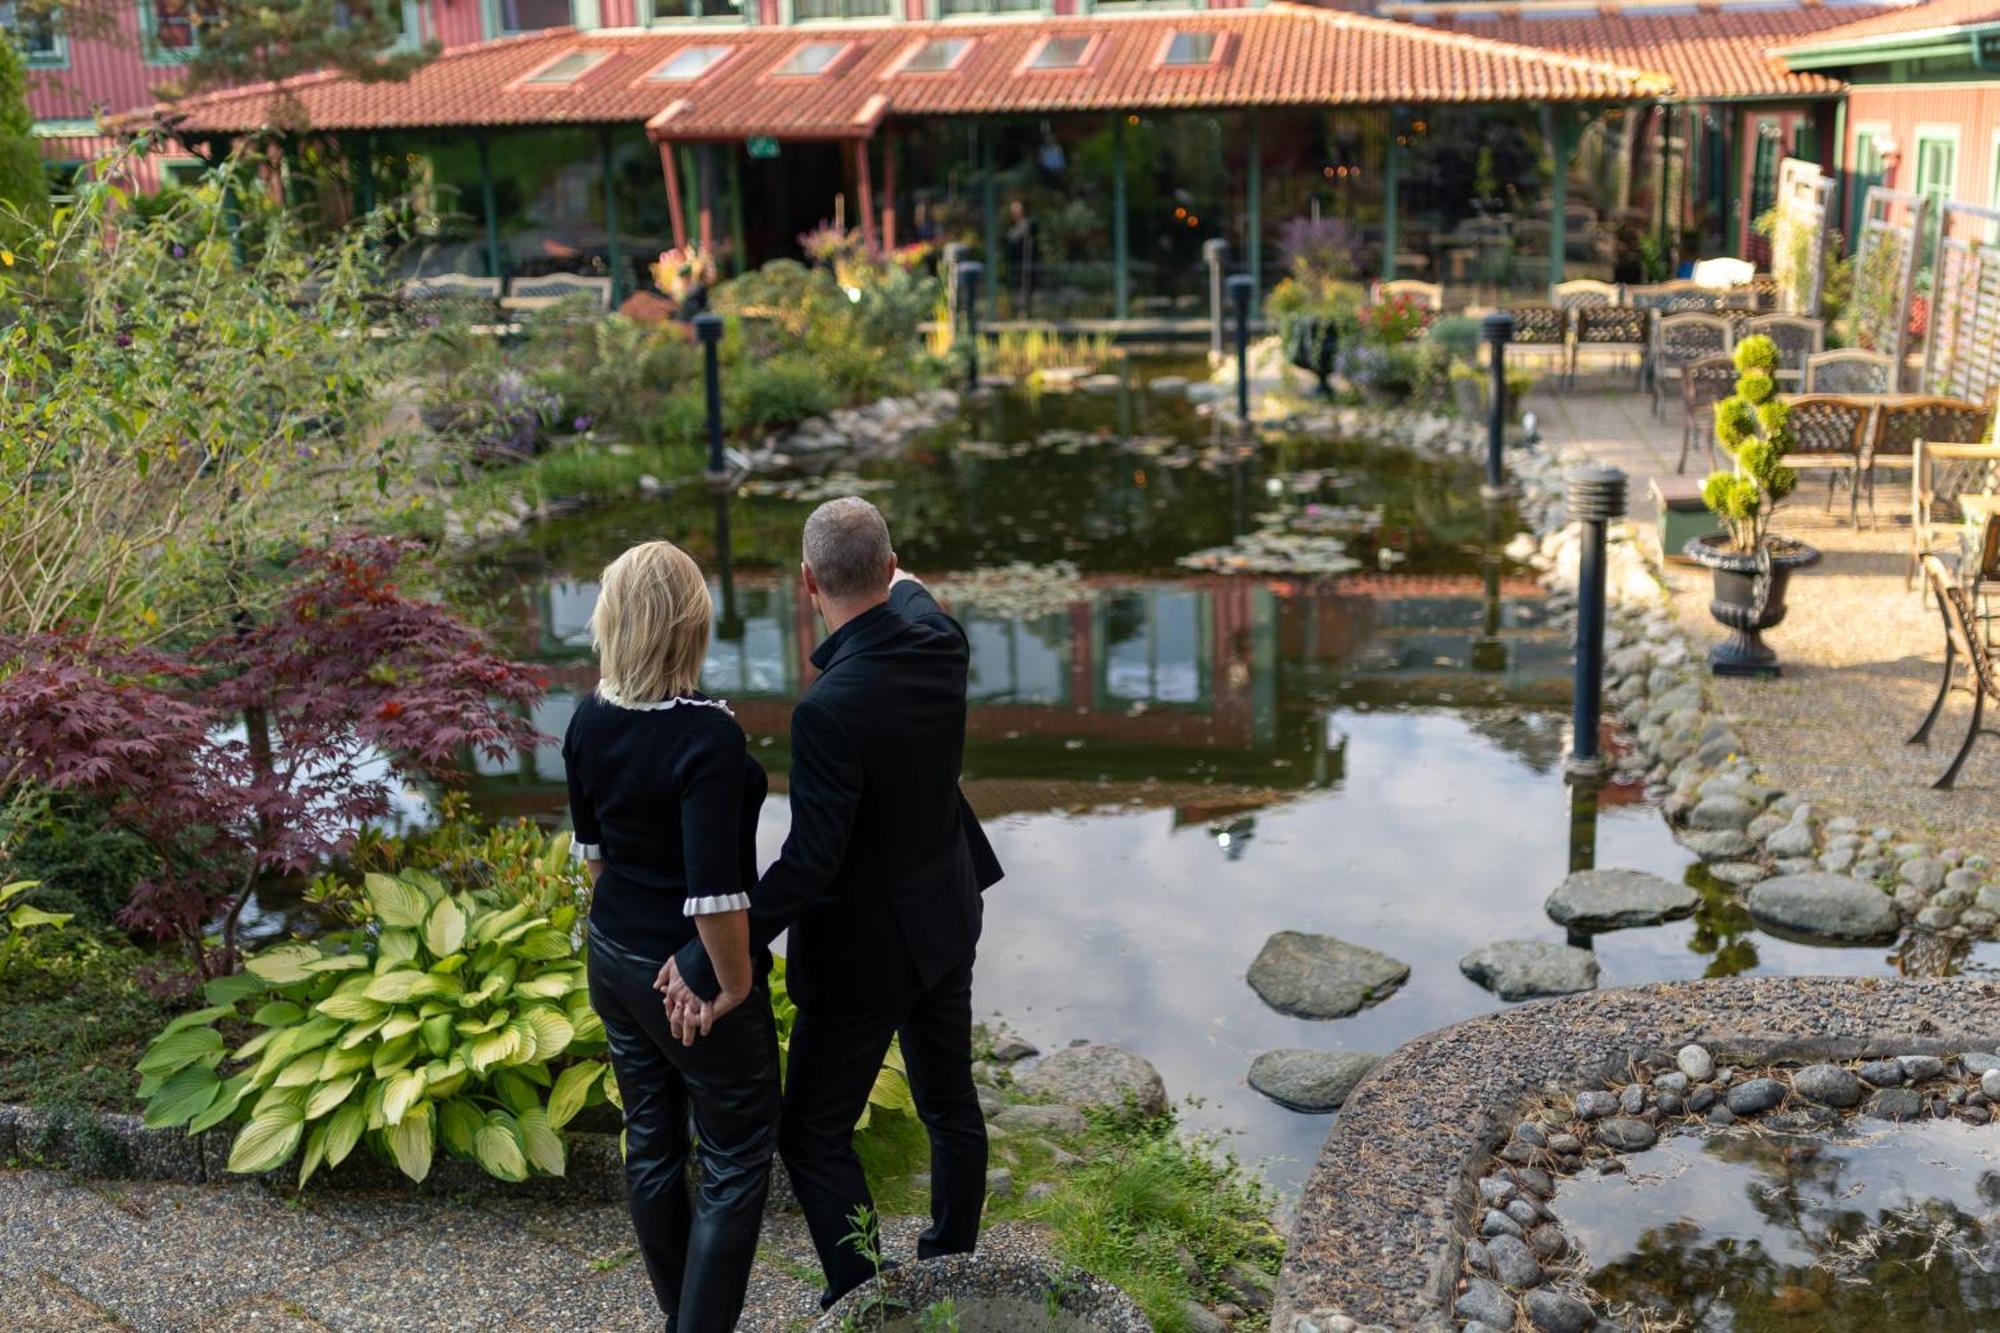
[[650, 625]]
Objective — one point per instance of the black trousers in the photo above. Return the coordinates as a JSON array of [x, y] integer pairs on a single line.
[[831, 1066], [698, 1258]]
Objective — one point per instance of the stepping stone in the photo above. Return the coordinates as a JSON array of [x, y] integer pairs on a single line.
[[1524, 969], [1309, 1081], [1820, 906], [1318, 976], [1615, 899]]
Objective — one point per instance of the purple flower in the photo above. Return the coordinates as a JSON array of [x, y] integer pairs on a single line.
[[581, 424], [180, 251], [124, 340]]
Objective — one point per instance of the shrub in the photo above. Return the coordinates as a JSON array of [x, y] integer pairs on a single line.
[[1321, 248], [24, 186], [1458, 335], [85, 862], [1754, 428], [775, 393], [75, 1014], [442, 1021], [21, 918]]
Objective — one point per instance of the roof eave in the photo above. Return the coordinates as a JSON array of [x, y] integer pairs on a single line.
[[1926, 43]]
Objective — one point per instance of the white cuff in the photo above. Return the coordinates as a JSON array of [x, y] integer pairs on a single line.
[[716, 904], [585, 851]]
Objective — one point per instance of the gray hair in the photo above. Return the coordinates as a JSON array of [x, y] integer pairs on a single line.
[[847, 548]]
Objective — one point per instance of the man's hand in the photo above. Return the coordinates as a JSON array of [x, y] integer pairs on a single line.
[[688, 1017], [903, 576]]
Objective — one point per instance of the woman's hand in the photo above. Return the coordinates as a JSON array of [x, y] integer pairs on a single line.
[[726, 937]]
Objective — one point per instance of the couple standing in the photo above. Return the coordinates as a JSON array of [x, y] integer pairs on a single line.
[[879, 883]]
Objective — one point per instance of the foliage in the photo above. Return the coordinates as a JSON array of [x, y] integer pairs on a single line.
[[1391, 323], [1752, 426], [1875, 289], [1025, 353], [345, 673], [1458, 335], [74, 1017], [612, 375], [17, 922], [442, 1021], [494, 409], [1654, 261], [1321, 248], [172, 415], [775, 393], [680, 273], [86, 864], [24, 186]]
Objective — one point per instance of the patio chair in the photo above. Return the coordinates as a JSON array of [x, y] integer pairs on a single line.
[[1939, 475], [1955, 610], [476, 299], [1849, 371], [1900, 425], [1797, 338], [1582, 292], [1614, 327], [1829, 434], [1704, 383], [1538, 325], [530, 294], [1677, 298], [1681, 340], [1763, 293]]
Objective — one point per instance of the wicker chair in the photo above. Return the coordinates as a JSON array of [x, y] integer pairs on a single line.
[[475, 299], [1582, 292], [1680, 297], [1681, 340], [1830, 434], [1849, 371], [1955, 610], [1900, 425], [1614, 327], [1704, 383], [1939, 475], [529, 294], [1797, 338], [1541, 326]]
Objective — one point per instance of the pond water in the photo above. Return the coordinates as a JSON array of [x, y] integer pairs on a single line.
[[1174, 764], [1742, 1232]]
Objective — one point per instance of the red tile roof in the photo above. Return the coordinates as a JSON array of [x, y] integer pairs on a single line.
[[1283, 54], [1707, 50], [1903, 20]]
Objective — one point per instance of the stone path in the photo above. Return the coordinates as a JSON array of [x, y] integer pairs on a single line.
[[134, 1255]]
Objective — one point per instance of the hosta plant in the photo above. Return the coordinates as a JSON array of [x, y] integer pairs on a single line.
[[453, 1020]]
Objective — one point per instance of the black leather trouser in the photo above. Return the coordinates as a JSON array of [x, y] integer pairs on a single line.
[[698, 1259], [831, 1067]]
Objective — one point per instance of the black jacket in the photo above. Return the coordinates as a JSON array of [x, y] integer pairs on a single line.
[[880, 877]]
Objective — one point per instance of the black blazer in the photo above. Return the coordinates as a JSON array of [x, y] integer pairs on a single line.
[[880, 878]]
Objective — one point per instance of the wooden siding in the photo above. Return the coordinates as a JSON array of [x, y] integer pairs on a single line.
[[1973, 107]]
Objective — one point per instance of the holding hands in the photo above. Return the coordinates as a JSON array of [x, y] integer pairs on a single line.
[[689, 1016]]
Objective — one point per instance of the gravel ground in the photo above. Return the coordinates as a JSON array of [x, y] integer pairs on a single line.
[[150, 1256]]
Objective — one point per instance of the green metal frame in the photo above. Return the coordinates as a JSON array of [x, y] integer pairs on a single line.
[[1121, 223], [1253, 188]]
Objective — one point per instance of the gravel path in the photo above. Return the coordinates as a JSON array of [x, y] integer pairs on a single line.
[[146, 1256]]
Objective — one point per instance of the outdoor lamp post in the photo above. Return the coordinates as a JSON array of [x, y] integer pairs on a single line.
[[1215, 253], [1241, 288], [968, 275], [1497, 329], [1596, 496], [708, 332]]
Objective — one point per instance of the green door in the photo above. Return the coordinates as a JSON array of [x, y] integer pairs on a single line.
[[1937, 176]]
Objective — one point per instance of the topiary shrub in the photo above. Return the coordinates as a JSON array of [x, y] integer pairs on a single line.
[[1755, 429]]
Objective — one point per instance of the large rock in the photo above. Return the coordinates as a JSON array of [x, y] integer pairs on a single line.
[[1311, 1081], [1094, 1075], [1824, 907], [1615, 899], [1524, 969], [1318, 976]]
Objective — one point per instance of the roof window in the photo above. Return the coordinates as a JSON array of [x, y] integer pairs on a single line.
[[937, 56], [1060, 53], [689, 64], [567, 68], [1192, 48], [811, 59]]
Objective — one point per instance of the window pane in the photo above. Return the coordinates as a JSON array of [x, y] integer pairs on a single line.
[[812, 58], [570, 68], [1191, 48], [669, 11], [840, 9], [937, 55], [35, 35], [1060, 53], [534, 15], [689, 64]]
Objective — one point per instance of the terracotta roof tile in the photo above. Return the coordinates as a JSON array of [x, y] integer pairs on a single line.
[[1904, 19], [1707, 50], [1282, 54]]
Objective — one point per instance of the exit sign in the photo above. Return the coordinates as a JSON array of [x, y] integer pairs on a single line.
[[762, 146]]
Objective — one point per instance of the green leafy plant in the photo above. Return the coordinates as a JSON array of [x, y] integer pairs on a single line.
[[444, 1021], [891, 1091], [15, 924], [1754, 427], [939, 1317], [24, 186], [864, 1237]]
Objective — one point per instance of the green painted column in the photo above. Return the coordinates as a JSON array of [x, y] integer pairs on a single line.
[[1731, 183], [614, 258], [690, 192], [1121, 224], [494, 267], [989, 205], [1392, 173], [364, 171], [1836, 167], [1254, 224], [738, 246], [1559, 128]]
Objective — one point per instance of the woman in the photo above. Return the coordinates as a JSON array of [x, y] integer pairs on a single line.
[[664, 798]]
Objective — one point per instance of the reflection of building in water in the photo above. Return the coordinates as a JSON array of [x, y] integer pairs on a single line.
[[1206, 694]]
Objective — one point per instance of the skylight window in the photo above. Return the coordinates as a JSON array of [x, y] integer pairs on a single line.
[[567, 69], [1191, 48], [937, 55], [812, 58], [1060, 53], [687, 65]]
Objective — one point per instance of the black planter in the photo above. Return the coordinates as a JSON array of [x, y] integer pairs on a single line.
[[1749, 598]]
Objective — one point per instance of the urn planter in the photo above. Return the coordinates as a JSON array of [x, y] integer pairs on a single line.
[[1748, 598]]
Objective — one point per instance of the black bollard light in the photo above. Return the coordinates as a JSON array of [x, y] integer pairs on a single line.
[[1241, 287], [1498, 330], [1596, 496], [708, 332], [1215, 254], [969, 273]]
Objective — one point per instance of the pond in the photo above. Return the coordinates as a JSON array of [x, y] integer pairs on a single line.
[[1173, 764], [1742, 1232]]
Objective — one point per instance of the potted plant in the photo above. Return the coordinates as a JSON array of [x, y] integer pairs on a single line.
[[1750, 566]]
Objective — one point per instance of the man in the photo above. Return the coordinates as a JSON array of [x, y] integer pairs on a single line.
[[879, 882]]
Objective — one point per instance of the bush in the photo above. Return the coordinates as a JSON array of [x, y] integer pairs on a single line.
[[1754, 427], [780, 392], [85, 862], [24, 185], [443, 1019], [1458, 335], [74, 1016]]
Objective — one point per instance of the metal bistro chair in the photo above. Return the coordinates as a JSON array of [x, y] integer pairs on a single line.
[[529, 294], [1704, 383], [1900, 425], [1680, 341], [476, 299], [1939, 475], [1848, 371], [1829, 434], [1955, 610], [1580, 293], [1615, 327], [1537, 325], [1679, 297], [1797, 338]]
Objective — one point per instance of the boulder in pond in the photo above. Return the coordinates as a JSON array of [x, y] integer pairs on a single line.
[[1094, 1075], [1822, 906], [1318, 976], [1614, 899], [1524, 969], [1309, 1081]]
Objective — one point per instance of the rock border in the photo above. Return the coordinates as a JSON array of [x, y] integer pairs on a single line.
[[1091, 1301], [1379, 1233]]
